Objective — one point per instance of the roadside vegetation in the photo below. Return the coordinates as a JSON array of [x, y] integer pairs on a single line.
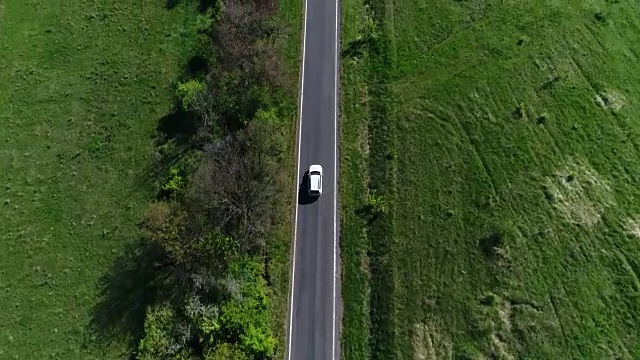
[[490, 197], [107, 107]]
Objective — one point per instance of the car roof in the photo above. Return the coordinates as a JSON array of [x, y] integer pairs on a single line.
[[317, 168], [314, 181]]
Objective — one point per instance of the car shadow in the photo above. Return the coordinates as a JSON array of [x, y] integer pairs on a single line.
[[303, 191]]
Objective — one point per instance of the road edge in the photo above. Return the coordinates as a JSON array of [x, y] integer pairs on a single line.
[[294, 213], [337, 263]]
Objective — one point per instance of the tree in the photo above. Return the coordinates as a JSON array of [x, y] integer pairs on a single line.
[[165, 336], [195, 96], [226, 351], [245, 316], [193, 252], [191, 93], [235, 185], [213, 298]]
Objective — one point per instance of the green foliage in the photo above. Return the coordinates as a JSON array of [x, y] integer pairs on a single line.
[[369, 26], [175, 182], [226, 351], [229, 98], [268, 116], [186, 242], [162, 337], [202, 47], [205, 21], [216, 11], [191, 93], [166, 224], [246, 314], [377, 203], [267, 121]]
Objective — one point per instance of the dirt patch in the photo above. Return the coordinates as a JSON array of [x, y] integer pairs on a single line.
[[429, 344], [579, 193], [504, 313], [633, 227], [610, 100], [364, 263], [501, 316], [499, 348], [363, 140]]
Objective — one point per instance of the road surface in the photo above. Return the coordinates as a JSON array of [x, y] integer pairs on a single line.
[[314, 306]]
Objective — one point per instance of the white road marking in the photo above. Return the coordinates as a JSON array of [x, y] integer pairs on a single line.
[[295, 221], [335, 184]]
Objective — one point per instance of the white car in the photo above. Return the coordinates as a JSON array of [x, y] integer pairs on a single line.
[[315, 180]]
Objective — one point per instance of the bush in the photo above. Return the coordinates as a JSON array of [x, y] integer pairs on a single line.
[[600, 17], [377, 203], [191, 93], [226, 351], [369, 28], [175, 182], [165, 225], [495, 245], [246, 314], [163, 336]]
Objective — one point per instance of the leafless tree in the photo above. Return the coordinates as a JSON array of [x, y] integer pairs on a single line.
[[235, 185], [245, 40]]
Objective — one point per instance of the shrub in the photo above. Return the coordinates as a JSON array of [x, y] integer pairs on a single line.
[[370, 28], [519, 111], [542, 118], [175, 182], [377, 203], [246, 314], [226, 351], [164, 338], [191, 93], [495, 244]]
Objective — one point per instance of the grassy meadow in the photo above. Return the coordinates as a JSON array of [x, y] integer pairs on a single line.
[[503, 137], [83, 85], [87, 108]]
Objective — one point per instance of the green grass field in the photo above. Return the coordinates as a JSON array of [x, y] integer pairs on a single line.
[[504, 137], [83, 85]]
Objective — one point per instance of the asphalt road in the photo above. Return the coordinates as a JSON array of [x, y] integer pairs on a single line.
[[315, 294]]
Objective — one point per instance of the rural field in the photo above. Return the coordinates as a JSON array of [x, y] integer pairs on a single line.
[[83, 86], [86, 88], [491, 179]]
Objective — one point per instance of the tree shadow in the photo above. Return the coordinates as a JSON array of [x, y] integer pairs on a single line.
[[177, 134], [137, 280], [355, 49], [198, 65], [179, 125], [303, 191], [203, 5], [368, 214]]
